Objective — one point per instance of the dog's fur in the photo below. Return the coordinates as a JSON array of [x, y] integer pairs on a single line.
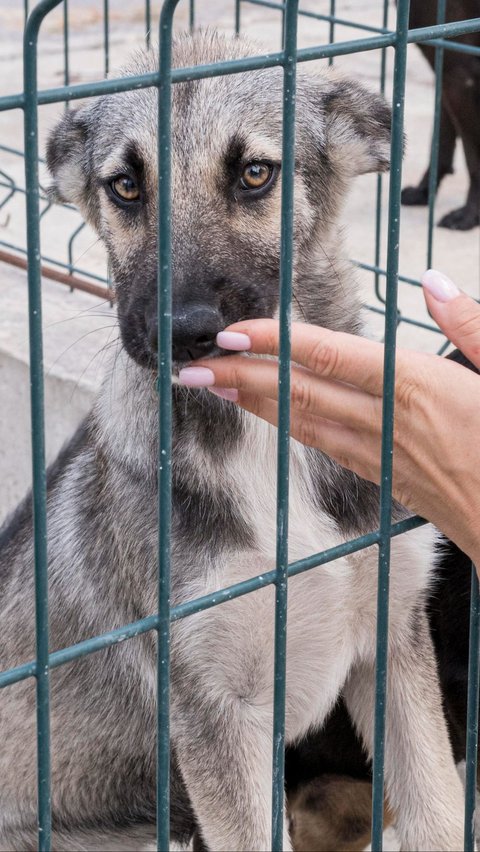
[[102, 497], [460, 109], [332, 812]]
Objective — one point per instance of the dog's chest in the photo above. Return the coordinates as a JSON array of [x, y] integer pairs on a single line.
[[254, 484]]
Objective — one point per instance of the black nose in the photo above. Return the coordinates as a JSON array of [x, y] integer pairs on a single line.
[[194, 329]]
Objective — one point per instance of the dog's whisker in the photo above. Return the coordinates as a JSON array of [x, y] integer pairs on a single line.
[[95, 242], [75, 342], [100, 351]]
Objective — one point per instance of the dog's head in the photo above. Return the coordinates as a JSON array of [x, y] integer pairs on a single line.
[[226, 179]]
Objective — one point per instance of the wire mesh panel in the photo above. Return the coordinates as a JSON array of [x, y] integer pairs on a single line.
[[369, 38]]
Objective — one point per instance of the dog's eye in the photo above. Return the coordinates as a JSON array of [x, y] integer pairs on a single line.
[[256, 176], [125, 188]]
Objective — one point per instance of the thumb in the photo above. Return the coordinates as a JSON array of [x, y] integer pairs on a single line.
[[456, 313]]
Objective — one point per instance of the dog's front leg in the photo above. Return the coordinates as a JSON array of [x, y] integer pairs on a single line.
[[225, 753], [422, 783]]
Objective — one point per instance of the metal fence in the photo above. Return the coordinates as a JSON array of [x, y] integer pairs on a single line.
[[380, 39]]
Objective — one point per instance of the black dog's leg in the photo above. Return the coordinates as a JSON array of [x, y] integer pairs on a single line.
[[468, 216], [462, 93], [418, 195]]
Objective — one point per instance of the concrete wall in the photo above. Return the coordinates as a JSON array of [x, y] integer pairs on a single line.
[[76, 327]]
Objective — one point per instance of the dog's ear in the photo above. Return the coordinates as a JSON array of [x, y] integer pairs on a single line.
[[357, 127], [68, 162]]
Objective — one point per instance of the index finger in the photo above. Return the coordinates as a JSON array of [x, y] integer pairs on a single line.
[[332, 354]]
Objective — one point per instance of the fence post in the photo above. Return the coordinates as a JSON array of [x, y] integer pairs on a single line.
[[387, 422]]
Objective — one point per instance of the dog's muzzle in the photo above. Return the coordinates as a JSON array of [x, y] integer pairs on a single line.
[[194, 329]]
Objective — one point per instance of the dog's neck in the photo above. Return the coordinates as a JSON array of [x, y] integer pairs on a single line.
[[126, 422]]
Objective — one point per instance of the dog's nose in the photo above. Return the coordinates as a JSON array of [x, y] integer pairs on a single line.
[[194, 329]]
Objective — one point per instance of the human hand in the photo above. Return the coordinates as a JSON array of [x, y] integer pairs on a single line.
[[336, 405]]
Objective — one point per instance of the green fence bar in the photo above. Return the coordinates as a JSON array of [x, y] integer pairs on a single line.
[[434, 150], [66, 51], [164, 421], [378, 202], [283, 449], [331, 29], [106, 36], [332, 18], [39, 485], [399, 78], [237, 66], [148, 23], [136, 628], [472, 714]]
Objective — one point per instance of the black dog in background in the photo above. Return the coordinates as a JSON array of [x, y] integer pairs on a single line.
[[460, 110]]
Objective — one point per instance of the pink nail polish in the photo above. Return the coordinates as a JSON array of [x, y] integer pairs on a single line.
[[226, 393], [439, 286], [196, 377], [234, 340]]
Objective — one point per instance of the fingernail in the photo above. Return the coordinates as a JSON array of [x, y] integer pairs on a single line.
[[439, 286], [196, 377], [226, 393], [234, 340]]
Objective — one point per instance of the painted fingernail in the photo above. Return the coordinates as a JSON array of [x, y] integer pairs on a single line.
[[439, 286], [234, 340], [196, 377], [226, 393]]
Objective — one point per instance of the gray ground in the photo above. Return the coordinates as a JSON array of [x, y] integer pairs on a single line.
[[77, 326]]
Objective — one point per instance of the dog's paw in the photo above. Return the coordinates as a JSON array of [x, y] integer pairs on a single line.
[[462, 219], [415, 196]]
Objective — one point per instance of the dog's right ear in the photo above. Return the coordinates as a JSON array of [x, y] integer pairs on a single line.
[[68, 163]]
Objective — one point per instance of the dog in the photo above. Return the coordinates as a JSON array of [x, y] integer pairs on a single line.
[[102, 491], [459, 110]]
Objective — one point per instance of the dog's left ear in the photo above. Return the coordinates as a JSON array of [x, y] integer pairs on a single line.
[[357, 127]]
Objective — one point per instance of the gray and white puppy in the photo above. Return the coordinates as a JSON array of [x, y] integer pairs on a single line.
[[102, 497]]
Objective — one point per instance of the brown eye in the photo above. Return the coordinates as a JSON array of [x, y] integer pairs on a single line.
[[256, 176], [125, 188]]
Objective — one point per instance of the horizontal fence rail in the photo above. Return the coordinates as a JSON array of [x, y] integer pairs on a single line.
[[30, 257]]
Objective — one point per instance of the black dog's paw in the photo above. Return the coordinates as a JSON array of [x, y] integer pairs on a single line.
[[415, 195], [462, 219]]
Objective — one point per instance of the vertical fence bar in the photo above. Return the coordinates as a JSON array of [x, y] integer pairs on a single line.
[[191, 16], [378, 211], [106, 36], [237, 16], [331, 28], [164, 421], [286, 265], [387, 421], [148, 24], [433, 171], [472, 714], [39, 488], [66, 52]]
